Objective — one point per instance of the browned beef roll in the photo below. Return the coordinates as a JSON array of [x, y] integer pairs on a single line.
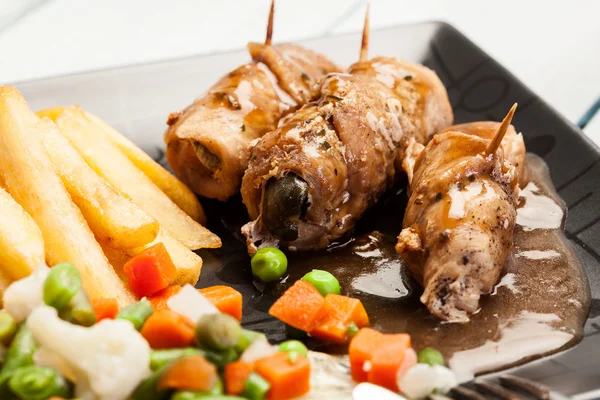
[[208, 142], [459, 222], [310, 180]]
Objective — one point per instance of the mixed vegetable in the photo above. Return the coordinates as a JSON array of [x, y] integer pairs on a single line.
[[183, 343]]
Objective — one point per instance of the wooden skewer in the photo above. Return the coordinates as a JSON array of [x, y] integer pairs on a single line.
[[364, 46], [270, 24], [501, 131]]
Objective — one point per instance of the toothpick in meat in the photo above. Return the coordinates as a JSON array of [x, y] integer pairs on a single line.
[[501, 131], [270, 24], [364, 47]]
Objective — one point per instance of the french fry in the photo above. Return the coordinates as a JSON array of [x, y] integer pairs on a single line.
[[108, 161], [32, 181], [176, 190], [187, 263], [167, 182], [112, 217], [21, 242], [5, 282], [117, 258]]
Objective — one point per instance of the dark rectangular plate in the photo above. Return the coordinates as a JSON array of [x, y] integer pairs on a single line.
[[137, 100]]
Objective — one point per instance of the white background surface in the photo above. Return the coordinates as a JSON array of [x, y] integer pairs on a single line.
[[553, 46]]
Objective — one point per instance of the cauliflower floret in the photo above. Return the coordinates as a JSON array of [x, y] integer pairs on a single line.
[[366, 390], [191, 303], [108, 360], [46, 358], [260, 348], [22, 296], [423, 379]]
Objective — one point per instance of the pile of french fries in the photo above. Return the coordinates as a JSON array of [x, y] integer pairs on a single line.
[[73, 189]]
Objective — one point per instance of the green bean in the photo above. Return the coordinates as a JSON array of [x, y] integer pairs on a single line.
[[218, 389], [160, 358], [147, 390], [137, 313], [79, 311], [323, 281], [246, 339], [62, 283], [38, 383], [430, 356], [221, 358], [19, 354], [8, 327], [256, 387], [186, 395], [217, 332]]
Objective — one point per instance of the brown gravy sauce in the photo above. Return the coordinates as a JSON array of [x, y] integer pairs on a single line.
[[539, 307]]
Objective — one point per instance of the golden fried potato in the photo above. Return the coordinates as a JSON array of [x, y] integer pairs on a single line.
[[176, 190], [108, 161], [167, 182], [112, 217], [21, 242], [5, 282], [51, 113], [32, 181], [117, 258]]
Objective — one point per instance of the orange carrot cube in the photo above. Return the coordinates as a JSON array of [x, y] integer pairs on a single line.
[[301, 306]]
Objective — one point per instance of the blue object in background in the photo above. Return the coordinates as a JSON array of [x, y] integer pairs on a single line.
[[589, 114]]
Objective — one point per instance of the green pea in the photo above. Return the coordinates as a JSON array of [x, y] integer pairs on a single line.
[[352, 329], [325, 282], [61, 285], [8, 327], [430, 356], [293, 346], [269, 264]]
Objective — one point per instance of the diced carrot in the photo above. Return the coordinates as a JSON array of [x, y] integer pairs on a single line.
[[236, 374], [361, 349], [288, 378], [159, 299], [301, 306], [340, 312], [105, 308], [189, 373], [150, 271], [166, 329], [387, 359], [225, 298]]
